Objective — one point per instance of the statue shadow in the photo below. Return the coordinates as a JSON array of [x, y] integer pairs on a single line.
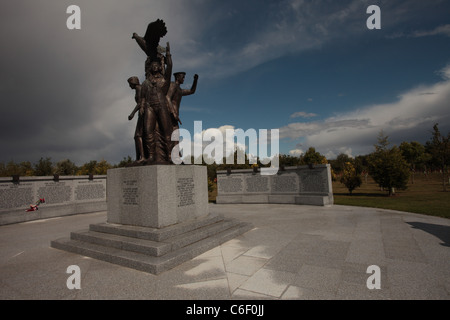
[[437, 230]]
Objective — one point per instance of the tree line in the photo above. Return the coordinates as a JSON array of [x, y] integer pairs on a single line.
[[390, 167], [45, 167], [393, 167]]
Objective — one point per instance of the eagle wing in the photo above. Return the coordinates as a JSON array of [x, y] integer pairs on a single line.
[[155, 31]]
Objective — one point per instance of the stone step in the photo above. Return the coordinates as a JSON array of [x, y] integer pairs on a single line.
[[148, 263], [153, 248], [148, 247], [153, 233], [198, 234]]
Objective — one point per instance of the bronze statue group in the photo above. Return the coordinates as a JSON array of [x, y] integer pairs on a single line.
[[157, 100]]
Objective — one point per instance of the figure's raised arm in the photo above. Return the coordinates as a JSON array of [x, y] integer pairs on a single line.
[[187, 92]]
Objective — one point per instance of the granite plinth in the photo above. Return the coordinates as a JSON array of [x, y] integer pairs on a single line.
[[152, 250], [157, 219], [156, 196]]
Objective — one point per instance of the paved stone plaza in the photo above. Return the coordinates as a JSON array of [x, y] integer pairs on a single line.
[[293, 252]]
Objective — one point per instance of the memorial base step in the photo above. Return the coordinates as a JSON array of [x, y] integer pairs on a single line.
[[152, 250]]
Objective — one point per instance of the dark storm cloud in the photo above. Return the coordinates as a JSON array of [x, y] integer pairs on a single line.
[[64, 92]]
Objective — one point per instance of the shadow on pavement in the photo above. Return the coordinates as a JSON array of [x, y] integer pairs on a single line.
[[440, 231]]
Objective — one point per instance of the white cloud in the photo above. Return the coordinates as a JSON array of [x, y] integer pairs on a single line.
[[302, 114], [445, 73], [441, 30], [412, 115], [296, 152], [197, 140], [330, 155], [330, 125], [226, 140]]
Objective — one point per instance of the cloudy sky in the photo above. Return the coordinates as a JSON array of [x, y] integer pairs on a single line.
[[311, 69]]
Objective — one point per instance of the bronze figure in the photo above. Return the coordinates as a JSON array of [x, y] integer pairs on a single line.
[[174, 100], [135, 85], [157, 99], [156, 110]]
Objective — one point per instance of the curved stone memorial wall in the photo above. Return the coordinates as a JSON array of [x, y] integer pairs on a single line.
[[64, 195], [295, 185]]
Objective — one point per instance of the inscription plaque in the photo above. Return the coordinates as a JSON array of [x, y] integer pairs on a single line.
[[313, 181], [185, 192], [130, 194], [16, 195], [285, 183], [230, 184], [257, 183], [55, 192], [90, 190]]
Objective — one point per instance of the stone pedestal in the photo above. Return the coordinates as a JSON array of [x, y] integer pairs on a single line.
[[157, 219], [156, 196]]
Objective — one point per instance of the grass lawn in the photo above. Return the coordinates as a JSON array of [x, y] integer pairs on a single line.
[[425, 196]]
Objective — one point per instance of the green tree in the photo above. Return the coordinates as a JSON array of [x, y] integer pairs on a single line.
[[361, 165], [414, 153], [312, 157], [210, 185], [94, 167], [88, 168], [211, 170], [234, 166], [387, 167], [350, 177], [288, 160], [102, 167], [66, 168], [2, 170], [439, 149], [125, 162], [382, 142], [11, 169], [26, 169], [339, 163], [43, 167]]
